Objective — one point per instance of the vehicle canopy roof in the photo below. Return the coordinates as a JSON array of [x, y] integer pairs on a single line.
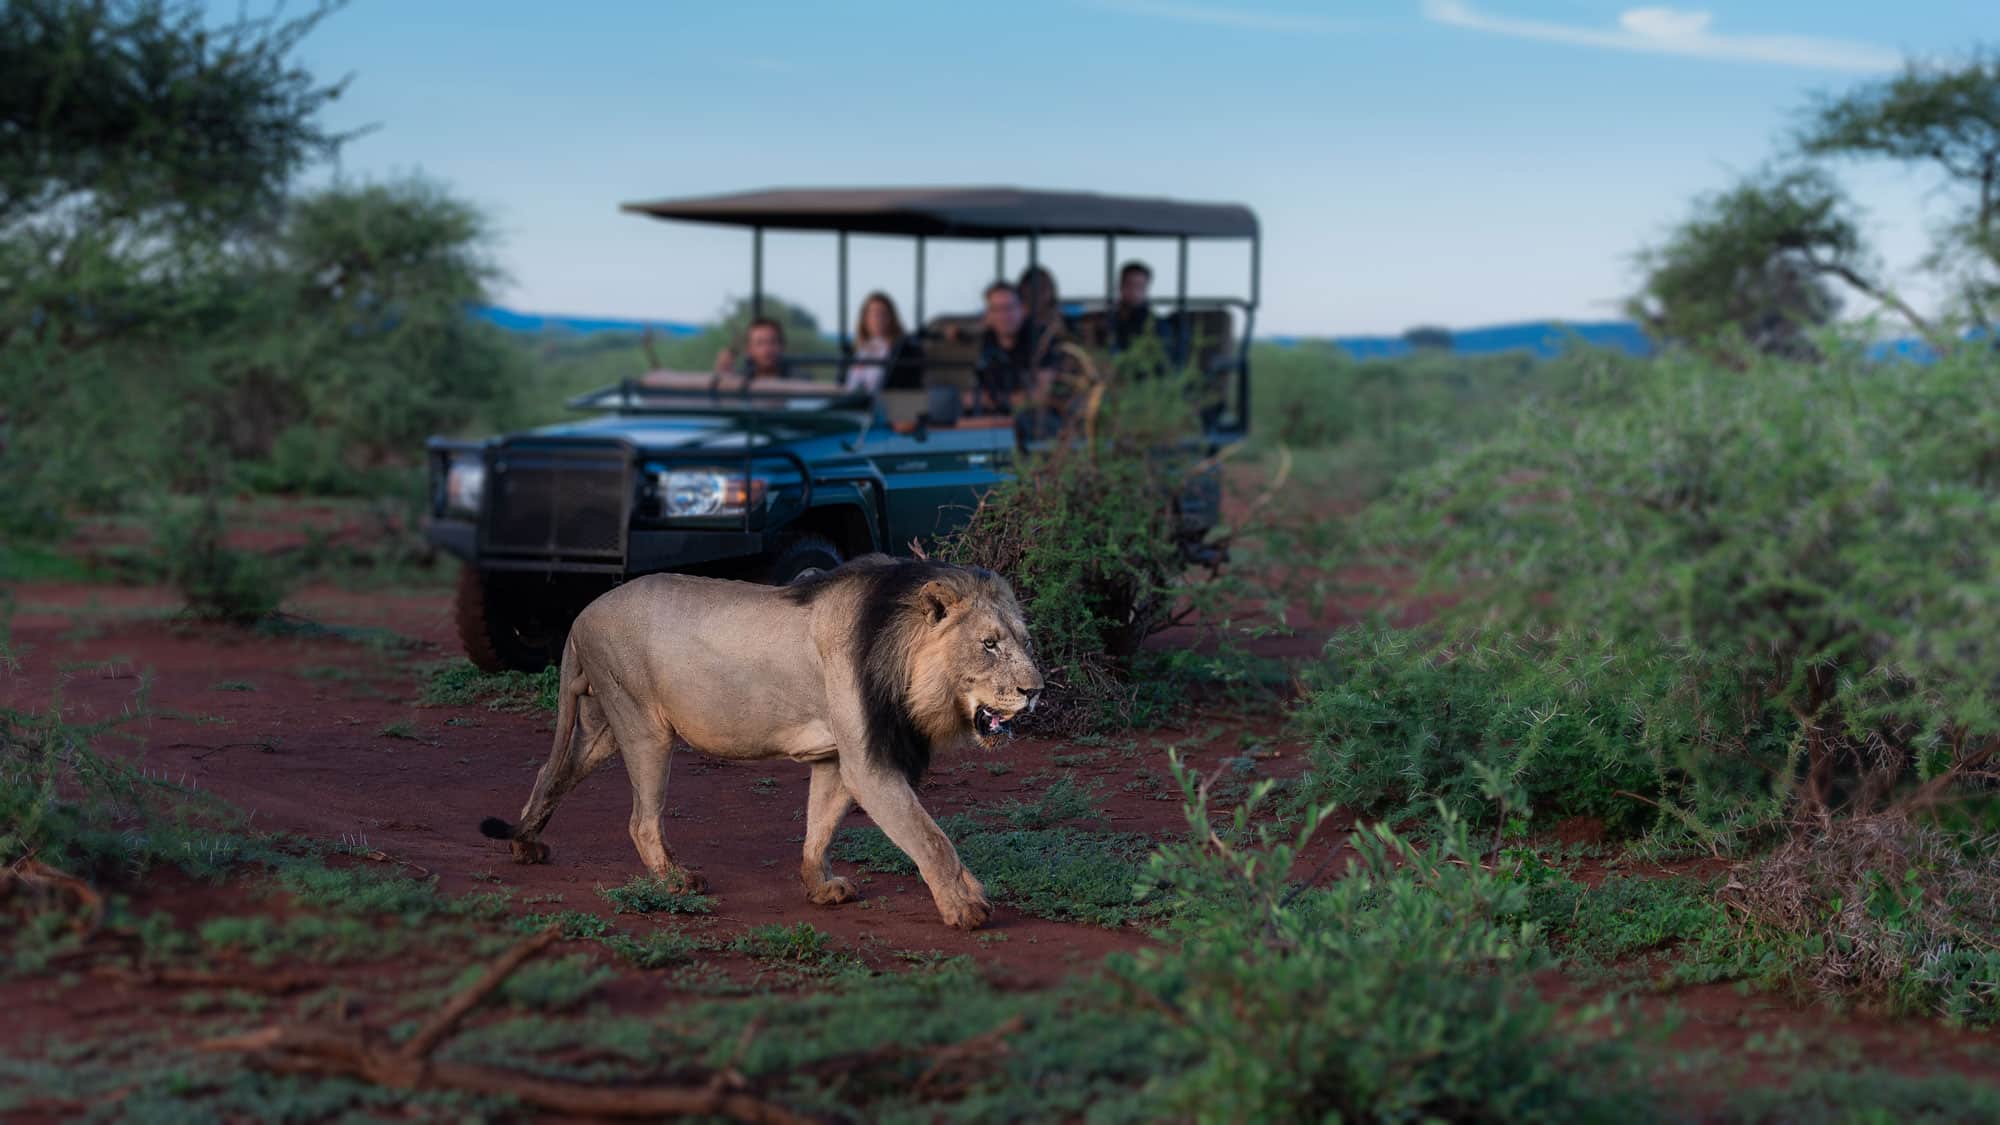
[[960, 212]]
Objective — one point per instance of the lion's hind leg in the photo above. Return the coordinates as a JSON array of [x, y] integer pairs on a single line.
[[827, 804], [649, 762], [575, 755]]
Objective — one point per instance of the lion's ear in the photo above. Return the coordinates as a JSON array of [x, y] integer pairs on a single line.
[[938, 598]]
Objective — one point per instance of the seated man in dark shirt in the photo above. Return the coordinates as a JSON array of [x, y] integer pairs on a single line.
[[1134, 315], [764, 354], [1009, 369], [1133, 323]]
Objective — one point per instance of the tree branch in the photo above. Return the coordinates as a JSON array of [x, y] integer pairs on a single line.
[[1886, 296]]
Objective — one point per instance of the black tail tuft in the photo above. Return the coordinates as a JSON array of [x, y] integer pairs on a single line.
[[496, 829]]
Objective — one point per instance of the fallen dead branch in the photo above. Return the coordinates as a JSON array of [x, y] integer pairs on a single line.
[[357, 1051], [279, 981], [35, 875]]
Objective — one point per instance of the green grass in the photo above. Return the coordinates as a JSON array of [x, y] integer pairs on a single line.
[[459, 684], [1060, 873], [1623, 917], [659, 949], [40, 562], [546, 985], [646, 894], [1064, 799], [1865, 1097]]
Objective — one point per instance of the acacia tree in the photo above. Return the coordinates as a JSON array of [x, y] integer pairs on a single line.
[[165, 294], [139, 143], [1948, 119], [1755, 260]]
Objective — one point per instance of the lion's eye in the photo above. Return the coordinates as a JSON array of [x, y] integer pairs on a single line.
[[991, 645]]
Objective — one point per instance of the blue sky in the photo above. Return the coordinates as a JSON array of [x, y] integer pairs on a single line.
[[1461, 162]]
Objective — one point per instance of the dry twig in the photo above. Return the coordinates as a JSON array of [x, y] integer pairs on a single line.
[[360, 1052]]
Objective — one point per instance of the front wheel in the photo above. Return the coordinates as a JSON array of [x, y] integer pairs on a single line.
[[509, 622], [804, 555]]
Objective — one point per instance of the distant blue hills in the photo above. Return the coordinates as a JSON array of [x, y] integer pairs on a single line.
[[1540, 338]]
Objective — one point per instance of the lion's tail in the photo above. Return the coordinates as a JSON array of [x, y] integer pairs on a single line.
[[573, 685]]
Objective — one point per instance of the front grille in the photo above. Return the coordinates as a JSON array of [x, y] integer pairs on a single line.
[[568, 500]]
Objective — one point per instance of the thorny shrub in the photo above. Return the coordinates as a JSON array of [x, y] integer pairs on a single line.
[[1828, 535], [1889, 907], [218, 582], [1091, 535], [1565, 723], [1400, 992]]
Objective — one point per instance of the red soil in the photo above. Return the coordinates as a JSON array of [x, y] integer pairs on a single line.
[[333, 743]]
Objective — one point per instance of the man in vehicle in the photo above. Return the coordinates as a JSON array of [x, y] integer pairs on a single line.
[[765, 352], [1133, 317], [1013, 359]]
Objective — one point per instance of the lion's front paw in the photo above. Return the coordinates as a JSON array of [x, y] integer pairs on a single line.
[[965, 911], [971, 885], [833, 892], [530, 851]]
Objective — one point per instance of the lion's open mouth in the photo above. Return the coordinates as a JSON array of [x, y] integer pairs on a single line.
[[989, 722]]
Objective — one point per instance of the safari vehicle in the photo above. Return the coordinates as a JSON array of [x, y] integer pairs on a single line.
[[772, 478]]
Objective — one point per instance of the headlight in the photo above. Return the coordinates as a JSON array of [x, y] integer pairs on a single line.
[[464, 482], [706, 492]]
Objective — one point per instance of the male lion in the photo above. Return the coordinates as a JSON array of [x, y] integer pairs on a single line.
[[862, 672]]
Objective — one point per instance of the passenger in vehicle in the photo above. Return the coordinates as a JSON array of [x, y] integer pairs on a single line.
[[1037, 287], [1133, 318], [1132, 321], [1010, 367], [765, 352], [886, 357]]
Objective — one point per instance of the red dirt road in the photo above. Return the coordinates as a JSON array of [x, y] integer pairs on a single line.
[[323, 735]]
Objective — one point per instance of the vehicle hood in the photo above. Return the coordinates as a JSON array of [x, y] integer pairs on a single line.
[[681, 432]]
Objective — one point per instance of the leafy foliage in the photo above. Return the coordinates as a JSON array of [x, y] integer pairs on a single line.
[[1886, 907], [218, 582], [459, 683], [1089, 534], [1062, 873], [1543, 725], [175, 316], [1826, 536], [1753, 262], [1400, 992], [1946, 117], [93, 815], [134, 107], [648, 894]]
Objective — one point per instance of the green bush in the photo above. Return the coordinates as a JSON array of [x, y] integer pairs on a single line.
[[1088, 533], [1552, 725], [216, 581], [1828, 536], [459, 683], [1398, 993], [94, 816], [648, 894], [1362, 423], [1886, 907]]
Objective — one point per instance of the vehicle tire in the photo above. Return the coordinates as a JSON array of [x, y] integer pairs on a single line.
[[805, 554], [507, 624]]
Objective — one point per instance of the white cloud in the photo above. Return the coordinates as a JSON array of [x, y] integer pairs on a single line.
[[1674, 31], [1214, 15]]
